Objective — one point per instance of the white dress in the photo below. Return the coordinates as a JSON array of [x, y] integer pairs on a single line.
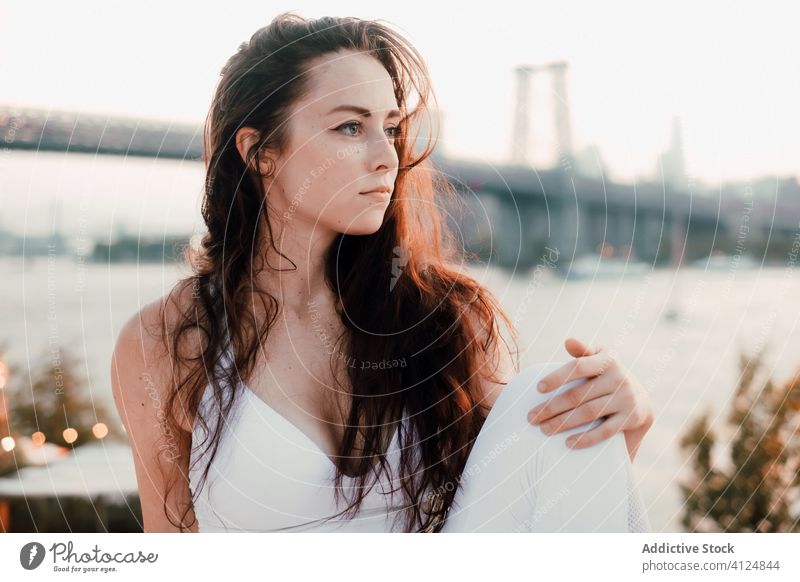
[[269, 476]]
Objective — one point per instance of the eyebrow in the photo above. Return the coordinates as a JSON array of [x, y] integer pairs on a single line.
[[362, 111]]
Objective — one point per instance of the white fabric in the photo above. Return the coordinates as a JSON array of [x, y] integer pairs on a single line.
[[269, 476], [517, 479]]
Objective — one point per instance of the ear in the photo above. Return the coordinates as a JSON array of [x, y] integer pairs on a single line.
[[246, 138]]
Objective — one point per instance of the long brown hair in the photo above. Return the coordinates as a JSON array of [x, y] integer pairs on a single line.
[[439, 321]]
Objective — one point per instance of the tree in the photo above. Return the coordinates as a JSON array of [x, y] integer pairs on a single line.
[[6, 458], [759, 492], [55, 400]]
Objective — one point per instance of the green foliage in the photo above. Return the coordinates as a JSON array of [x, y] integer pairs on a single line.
[[54, 398], [759, 492]]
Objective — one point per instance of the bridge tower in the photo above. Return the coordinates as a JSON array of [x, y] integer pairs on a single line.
[[521, 132]]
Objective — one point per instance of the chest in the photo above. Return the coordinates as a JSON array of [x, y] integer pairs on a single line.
[[301, 373]]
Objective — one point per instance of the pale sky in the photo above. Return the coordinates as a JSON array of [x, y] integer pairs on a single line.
[[728, 69]]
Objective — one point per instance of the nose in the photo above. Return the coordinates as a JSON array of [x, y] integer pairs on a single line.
[[382, 155]]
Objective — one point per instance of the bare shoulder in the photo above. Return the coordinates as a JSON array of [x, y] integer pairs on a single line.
[[141, 380], [500, 364], [143, 355]]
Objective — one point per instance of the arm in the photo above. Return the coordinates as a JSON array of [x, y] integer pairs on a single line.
[[497, 369], [634, 436], [139, 383]]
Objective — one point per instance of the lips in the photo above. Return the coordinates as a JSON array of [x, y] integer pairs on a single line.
[[381, 189]]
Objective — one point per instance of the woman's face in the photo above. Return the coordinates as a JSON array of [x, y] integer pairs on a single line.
[[340, 145]]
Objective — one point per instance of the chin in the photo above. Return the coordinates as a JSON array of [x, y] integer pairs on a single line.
[[363, 227]]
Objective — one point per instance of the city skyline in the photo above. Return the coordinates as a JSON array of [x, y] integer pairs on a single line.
[[724, 70]]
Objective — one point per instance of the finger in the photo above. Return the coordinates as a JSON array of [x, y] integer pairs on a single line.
[[585, 367], [578, 348], [584, 414], [623, 402], [606, 430], [567, 400]]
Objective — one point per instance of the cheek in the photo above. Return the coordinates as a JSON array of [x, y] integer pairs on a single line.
[[323, 178], [334, 179]]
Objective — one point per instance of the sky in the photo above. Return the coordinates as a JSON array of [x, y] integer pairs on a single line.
[[727, 70]]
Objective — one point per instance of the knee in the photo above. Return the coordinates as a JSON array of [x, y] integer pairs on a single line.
[[509, 417], [522, 393]]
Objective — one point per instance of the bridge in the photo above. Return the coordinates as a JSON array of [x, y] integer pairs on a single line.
[[512, 213]]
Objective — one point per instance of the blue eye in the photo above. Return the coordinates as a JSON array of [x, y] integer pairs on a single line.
[[396, 130], [351, 124], [357, 124]]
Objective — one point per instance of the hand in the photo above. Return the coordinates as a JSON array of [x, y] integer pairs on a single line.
[[611, 392]]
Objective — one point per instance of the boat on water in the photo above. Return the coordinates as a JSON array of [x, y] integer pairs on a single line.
[[725, 262], [604, 267]]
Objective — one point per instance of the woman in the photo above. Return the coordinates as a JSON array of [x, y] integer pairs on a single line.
[[327, 367]]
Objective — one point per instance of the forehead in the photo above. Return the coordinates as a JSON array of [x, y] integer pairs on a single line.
[[349, 77]]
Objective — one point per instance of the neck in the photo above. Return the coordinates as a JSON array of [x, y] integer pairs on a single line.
[[296, 279]]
